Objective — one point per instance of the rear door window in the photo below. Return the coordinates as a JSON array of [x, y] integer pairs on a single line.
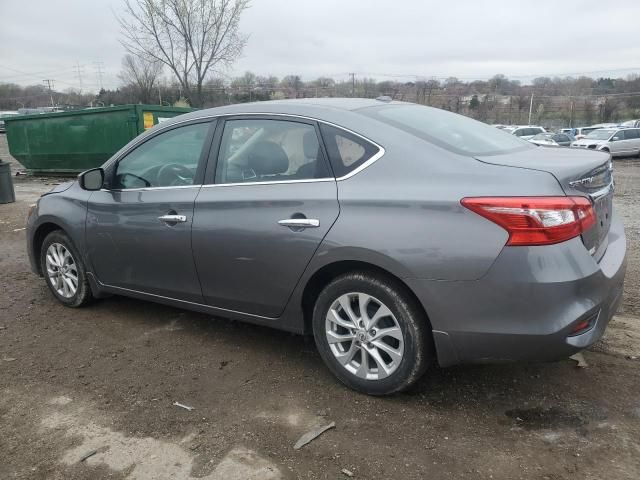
[[262, 150], [631, 134], [347, 151]]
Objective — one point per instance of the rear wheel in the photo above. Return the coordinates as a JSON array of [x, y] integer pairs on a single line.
[[64, 271], [371, 334]]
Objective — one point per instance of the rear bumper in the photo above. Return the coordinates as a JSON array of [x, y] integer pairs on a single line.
[[526, 306]]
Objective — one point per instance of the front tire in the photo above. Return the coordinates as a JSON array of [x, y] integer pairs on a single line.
[[371, 334], [64, 271]]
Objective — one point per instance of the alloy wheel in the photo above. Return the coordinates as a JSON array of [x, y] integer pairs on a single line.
[[364, 336], [62, 270]]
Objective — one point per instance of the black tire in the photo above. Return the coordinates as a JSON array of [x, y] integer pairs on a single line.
[[83, 294], [418, 350]]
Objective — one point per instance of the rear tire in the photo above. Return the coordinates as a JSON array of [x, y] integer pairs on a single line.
[[371, 334], [64, 271]]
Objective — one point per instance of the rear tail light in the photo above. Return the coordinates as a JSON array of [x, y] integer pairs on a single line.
[[536, 220]]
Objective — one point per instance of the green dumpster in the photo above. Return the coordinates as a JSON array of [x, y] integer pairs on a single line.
[[70, 142]]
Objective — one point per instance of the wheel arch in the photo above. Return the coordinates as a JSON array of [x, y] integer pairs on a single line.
[[325, 274], [41, 232]]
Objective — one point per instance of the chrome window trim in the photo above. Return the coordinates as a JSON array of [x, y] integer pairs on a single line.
[[275, 182], [142, 189], [366, 164]]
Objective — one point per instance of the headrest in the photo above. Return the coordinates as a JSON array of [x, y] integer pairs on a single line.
[[268, 158], [310, 144]]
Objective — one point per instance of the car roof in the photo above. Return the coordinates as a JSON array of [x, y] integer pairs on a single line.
[[294, 105], [341, 111]]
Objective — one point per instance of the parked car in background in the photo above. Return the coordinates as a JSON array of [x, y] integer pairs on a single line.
[[631, 123], [579, 132], [5, 114], [619, 142], [397, 234], [524, 132], [552, 139]]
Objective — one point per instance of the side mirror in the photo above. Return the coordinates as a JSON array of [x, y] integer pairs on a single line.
[[615, 139], [91, 179]]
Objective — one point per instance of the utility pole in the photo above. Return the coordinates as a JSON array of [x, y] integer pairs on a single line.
[[571, 111], [530, 108], [353, 84], [49, 83], [99, 68], [79, 72]]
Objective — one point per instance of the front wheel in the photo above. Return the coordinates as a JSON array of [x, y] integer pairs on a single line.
[[371, 334], [64, 271]]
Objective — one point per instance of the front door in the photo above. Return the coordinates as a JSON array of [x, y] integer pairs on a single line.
[[139, 230], [267, 208]]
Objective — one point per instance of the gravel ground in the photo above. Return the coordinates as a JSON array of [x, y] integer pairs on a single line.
[[101, 381]]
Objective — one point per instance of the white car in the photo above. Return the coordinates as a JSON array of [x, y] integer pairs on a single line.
[[619, 142], [579, 132], [525, 132]]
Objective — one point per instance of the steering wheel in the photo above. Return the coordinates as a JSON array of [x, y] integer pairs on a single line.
[[174, 174]]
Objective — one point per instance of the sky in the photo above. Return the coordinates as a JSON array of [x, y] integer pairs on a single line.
[[386, 40]]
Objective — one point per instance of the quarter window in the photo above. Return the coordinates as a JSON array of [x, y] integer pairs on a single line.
[[269, 151], [168, 159], [346, 151]]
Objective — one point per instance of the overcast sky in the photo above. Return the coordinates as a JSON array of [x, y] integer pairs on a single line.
[[384, 39]]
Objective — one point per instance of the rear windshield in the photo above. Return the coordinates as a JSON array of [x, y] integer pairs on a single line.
[[448, 130]]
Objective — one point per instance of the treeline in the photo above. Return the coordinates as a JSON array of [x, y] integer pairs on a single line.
[[556, 101]]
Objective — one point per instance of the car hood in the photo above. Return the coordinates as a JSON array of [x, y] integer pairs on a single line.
[[60, 188], [589, 141], [543, 142]]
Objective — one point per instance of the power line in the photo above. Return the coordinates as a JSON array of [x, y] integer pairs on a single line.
[[79, 72], [99, 68], [49, 84]]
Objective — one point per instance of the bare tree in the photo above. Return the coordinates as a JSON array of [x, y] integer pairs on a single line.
[[142, 74], [191, 37]]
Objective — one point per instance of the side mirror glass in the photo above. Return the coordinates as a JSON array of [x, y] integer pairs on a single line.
[[91, 179]]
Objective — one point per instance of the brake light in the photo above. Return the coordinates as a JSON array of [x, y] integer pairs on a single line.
[[536, 220]]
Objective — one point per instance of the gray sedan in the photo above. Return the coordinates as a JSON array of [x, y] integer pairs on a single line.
[[400, 236]]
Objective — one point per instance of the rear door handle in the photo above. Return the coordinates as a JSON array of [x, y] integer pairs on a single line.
[[300, 222], [173, 218]]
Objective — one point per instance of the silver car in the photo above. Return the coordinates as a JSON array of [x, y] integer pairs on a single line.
[[552, 139], [619, 142], [398, 235], [525, 132]]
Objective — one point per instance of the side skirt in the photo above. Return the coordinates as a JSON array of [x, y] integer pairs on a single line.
[[100, 290]]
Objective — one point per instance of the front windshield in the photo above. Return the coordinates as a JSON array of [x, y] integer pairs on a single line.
[[448, 130], [600, 134]]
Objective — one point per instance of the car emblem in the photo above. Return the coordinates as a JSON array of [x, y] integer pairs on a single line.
[[582, 181]]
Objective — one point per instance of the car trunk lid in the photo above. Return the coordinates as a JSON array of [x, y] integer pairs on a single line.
[[579, 173]]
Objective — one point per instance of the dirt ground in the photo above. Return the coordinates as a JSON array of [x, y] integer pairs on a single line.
[[101, 381]]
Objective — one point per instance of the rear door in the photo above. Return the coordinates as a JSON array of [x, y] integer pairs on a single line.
[[267, 204], [139, 230]]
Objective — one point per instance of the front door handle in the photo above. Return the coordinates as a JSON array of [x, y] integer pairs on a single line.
[[173, 218], [300, 222]]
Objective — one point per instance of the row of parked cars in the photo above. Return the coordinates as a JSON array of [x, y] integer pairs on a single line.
[[617, 139]]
